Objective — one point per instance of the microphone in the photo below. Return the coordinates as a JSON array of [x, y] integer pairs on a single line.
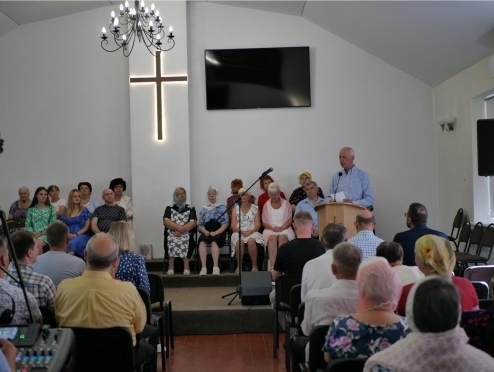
[[265, 173], [337, 183]]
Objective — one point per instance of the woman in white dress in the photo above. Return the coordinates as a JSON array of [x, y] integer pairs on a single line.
[[277, 222], [60, 204], [250, 223], [118, 185]]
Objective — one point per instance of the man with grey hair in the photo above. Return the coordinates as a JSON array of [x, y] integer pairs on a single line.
[[317, 273], [322, 306], [308, 204], [365, 238], [56, 263], [354, 182], [97, 300]]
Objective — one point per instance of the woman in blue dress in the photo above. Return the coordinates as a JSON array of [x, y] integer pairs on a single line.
[[78, 219], [212, 228]]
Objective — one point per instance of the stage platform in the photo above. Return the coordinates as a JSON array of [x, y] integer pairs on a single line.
[[199, 309]]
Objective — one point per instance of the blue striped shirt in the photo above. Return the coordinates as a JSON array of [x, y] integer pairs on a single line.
[[356, 186]]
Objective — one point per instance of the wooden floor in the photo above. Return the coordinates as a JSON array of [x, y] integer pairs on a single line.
[[233, 352]]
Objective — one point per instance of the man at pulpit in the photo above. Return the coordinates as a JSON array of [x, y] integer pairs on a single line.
[[352, 181]]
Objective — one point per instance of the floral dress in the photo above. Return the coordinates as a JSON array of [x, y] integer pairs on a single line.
[[38, 220], [299, 194], [247, 222], [349, 338], [183, 245]]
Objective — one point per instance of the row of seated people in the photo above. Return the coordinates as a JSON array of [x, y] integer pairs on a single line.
[[363, 300], [99, 293], [81, 213]]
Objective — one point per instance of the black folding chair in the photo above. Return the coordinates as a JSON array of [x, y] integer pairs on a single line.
[[482, 274], [482, 290], [347, 365], [154, 320], [457, 222], [157, 295], [291, 320], [470, 254], [464, 237], [300, 316], [283, 285], [486, 304], [317, 338], [108, 349]]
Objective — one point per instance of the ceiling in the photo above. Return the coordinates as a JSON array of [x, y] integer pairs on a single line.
[[430, 40]]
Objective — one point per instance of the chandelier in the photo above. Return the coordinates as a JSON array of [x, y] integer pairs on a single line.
[[141, 23]]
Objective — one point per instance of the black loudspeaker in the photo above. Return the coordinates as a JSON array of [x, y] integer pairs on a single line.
[[485, 147], [255, 288]]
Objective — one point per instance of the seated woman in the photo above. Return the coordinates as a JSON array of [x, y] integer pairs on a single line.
[[277, 222], [236, 185], [250, 223], [118, 185], [39, 216], [78, 220], [132, 267], [393, 253], [299, 193], [213, 222], [264, 197], [436, 256], [375, 326], [179, 219], [436, 343], [87, 201], [60, 204], [18, 209]]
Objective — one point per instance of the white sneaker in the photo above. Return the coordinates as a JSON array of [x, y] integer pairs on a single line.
[[170, 272], [216, 271], [203, 272]]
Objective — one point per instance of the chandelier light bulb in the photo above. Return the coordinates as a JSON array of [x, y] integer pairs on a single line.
[[126, 4], [170, 29], [152, 7], [112, 14], [124, 38], [157, 13], [115, 22], [142, 4], [151, 25], [146, 10], [103, 31]]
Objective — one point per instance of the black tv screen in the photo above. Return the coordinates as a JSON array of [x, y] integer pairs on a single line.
[[257, 78], [485, 149]]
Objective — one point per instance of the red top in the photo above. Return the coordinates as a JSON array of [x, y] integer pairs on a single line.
[[263, 198], [468, 296]]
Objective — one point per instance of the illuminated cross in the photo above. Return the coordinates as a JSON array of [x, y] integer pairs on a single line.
[[158, 79]]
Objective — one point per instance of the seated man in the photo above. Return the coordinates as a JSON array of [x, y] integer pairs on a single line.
[[41, 286], [12, 295], [97, 300], [317, 272], [416, 220], [309, 203], [365, 238], [56, 263], [293, 255], [105, 214], [322, 306]]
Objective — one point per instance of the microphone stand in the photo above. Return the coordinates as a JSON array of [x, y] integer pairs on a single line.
[[238, 291], [13, 256]]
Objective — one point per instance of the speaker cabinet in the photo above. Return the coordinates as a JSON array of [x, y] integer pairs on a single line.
[[485, 147]]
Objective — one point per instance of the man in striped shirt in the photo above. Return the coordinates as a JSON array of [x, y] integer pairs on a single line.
[[105, 215], [365, 238]]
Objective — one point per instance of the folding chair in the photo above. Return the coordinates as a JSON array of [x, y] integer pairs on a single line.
[[482, 290], [291, 320], [466, 258], [283, 285], [464, 237], [457, 222], [481, 273], [157, 295]]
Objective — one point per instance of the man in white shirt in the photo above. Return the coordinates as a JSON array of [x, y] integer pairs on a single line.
[[322, 306], [365, 238], [317, 272]]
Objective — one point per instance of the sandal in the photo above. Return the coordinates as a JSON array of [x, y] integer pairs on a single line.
[[186, 272], [170, 272], [236, 270], [256, 269]]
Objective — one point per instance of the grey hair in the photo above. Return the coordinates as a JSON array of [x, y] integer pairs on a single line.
[[333, 234], [211, 188], [273, 187], [347, 258], [97, 261], [243, 191], [349, 149], [311, 183], [23, 188]]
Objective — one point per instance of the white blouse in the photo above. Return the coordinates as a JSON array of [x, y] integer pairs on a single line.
[[126, 203]]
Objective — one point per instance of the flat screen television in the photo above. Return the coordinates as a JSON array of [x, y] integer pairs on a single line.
[[257, 78]]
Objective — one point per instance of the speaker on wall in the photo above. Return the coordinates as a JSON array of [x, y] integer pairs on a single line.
[[485, 147]]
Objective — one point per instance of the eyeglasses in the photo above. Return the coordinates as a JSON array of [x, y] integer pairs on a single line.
[[406, 214]]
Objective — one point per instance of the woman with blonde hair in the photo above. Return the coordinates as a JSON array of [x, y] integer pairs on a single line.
[[132, 267], [78, 220]]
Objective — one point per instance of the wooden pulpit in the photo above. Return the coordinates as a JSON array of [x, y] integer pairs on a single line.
[[344, 213]]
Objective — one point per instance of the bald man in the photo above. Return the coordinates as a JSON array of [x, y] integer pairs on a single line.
[[365, 238], [106, 214], [97, 300], [355, 183]]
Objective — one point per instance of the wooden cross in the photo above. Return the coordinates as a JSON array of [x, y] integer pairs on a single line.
[[158, 79]]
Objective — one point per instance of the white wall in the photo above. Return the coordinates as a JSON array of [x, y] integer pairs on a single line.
[[461, 96], [64, 107], [357, 100]]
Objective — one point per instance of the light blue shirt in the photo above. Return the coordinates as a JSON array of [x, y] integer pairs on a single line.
[[367, 242], [356, 186], [92, 205], [306, 205], [4, 364]]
